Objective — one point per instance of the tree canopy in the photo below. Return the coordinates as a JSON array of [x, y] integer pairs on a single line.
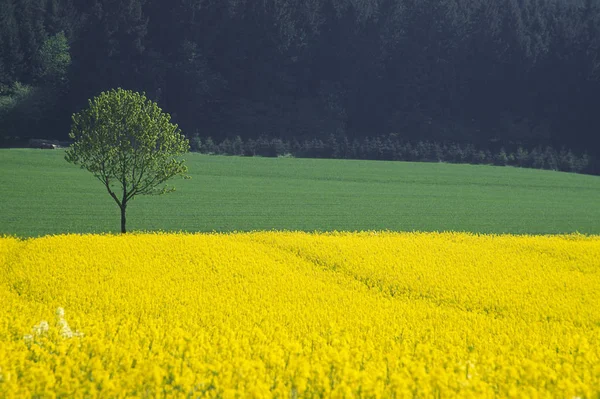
[[128, 143]]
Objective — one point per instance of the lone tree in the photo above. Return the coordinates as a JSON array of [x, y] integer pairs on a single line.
[[129, 144]]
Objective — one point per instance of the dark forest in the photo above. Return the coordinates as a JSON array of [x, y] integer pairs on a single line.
[[492, 74]]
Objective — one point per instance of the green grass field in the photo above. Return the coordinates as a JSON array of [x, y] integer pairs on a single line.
[[43, 194]]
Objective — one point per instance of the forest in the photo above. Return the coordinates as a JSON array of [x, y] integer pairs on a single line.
[[490, 74]]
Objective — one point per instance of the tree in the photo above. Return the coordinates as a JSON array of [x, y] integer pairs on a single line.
[[11, 53], [128, 143], [109, 48], [54, 59]]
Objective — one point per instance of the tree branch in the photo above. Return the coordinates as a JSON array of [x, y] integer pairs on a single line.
[[112, 194]]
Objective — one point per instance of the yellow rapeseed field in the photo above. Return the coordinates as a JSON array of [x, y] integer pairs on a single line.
[[278, 314]]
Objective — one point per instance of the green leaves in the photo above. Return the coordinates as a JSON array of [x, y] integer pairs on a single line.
[[54, 59], [128, 143]]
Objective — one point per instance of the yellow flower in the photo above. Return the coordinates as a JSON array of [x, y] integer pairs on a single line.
[[288, 314]]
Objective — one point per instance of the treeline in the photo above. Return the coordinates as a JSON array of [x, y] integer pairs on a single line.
[[393, 148], [514, 72]]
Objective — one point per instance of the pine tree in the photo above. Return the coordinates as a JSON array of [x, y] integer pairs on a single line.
[[30, 18], [10, 46], [109, 49]]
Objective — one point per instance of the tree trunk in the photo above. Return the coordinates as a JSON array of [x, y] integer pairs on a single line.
[[123, 207]]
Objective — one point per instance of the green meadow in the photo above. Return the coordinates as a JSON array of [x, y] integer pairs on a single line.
[[42, 194]]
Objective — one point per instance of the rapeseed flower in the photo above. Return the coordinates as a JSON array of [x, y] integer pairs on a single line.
[[374, 314]]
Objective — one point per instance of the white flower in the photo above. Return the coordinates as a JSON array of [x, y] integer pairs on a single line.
[[65, 330], [41, 328]]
